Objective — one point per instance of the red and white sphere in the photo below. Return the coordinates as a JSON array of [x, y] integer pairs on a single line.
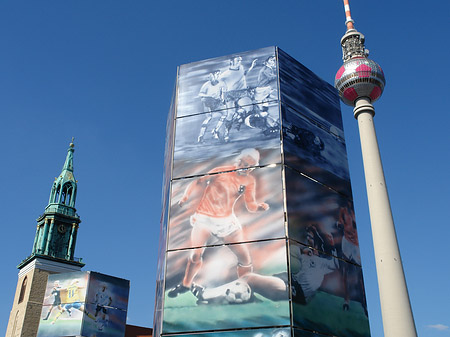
[[359, 77]]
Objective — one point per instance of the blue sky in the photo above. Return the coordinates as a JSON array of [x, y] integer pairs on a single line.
[[103, 71]]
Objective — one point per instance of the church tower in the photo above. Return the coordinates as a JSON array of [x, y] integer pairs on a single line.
[[53, 252]]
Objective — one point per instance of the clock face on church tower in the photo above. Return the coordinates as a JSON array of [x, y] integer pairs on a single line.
[[61, 228]]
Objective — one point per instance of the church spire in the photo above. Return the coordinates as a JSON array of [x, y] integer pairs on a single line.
[[64, 189], [57, 228]]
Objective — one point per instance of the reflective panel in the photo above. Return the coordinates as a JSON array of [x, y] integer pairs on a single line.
[[318, 153], [327, 293], [227, 287], [321, 218], [219, 83], [107, 322], [94, 302], [234, 206], [205, 141], [64, 304], [108, 291], [303, 90], [273, 332]]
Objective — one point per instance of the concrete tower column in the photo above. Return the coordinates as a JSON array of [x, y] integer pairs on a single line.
[[395, 305]]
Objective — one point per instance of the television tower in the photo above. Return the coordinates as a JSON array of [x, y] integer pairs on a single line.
[[360, 81]]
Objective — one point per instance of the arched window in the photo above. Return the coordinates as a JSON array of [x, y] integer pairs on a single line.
[[69, 195], [66, 194], [23, 289], [58, 189]]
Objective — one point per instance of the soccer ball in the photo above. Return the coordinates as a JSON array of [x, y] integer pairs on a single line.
[[238, 292]]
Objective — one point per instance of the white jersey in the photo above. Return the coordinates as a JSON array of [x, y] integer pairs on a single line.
[[234, 78], [313, 269], [102, 298], [213, 90]]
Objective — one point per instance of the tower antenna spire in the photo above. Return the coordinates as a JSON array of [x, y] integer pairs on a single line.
[[348, 17]]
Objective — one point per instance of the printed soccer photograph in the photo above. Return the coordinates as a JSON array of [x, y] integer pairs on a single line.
[[327, 293], [316, 152], [234, 203], [64, 305], [219, 83], [226, 287], [321, 218], [216, 139]]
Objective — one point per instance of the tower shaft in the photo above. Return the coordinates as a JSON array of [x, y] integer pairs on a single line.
[[398, 319]]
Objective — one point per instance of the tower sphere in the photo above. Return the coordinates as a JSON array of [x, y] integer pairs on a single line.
[[359, 77]]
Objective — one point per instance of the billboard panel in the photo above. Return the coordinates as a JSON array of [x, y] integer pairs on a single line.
[[303, 90], [205, 141], [327, 293], [274, 332], [318, 153], [227, 287], [218, 83], [109, 322], [108, 291], [245, 204], [63, 307], [74, 301], [321, 218]]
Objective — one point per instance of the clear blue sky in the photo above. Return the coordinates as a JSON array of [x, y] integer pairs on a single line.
[[103, 71]]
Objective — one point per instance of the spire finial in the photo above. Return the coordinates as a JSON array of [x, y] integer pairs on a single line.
[[348, 18], [71, 143]]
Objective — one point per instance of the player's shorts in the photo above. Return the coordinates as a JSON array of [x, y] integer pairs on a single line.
[[100, 308], [234, 95], [351, 251], [211, 103], [76, 305], [220, 227]]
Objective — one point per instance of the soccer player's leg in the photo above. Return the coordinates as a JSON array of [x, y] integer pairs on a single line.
[[199, 236], [272, 287], [241, 251]]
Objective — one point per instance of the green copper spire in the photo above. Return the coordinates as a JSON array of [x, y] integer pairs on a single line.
[[64, 189], [57, 228]]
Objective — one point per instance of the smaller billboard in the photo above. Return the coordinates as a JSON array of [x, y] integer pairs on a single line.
[[84, 303]]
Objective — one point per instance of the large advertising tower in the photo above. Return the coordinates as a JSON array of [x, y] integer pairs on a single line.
[[258, 232]]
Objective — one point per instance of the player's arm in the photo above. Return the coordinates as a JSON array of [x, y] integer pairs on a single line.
[[194, 187], [250, 198], [251, 67]]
